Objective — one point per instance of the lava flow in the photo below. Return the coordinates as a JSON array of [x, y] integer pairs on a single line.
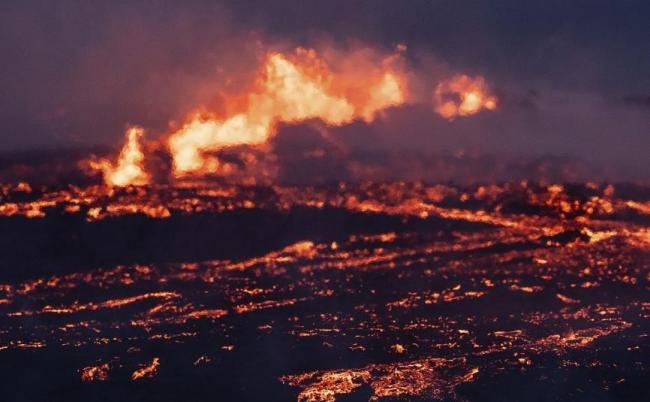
[[363, 291], [325, 201], [182, 284]]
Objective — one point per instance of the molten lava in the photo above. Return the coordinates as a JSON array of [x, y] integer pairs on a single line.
[[292, 88], [381, 281], [129, 169], [287, 91], [462, 95]]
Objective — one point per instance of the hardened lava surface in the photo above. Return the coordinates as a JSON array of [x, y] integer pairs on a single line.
[[382, 292]]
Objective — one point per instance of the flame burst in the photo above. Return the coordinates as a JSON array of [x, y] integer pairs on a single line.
[[462, 95], [288, 90], [291, 88], [129, 169]]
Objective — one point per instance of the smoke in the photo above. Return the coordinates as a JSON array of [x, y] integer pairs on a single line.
[[80, 71]]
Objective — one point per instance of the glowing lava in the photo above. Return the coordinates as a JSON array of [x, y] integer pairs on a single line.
[[561, 282], [292, 88], [287, 90], [129, 169], [462, 95]]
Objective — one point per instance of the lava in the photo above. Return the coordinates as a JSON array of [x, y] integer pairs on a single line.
[[462, 95], [129, 169], [287, 92], [147, 371], [558, 273], [95, 373], [290, 87]]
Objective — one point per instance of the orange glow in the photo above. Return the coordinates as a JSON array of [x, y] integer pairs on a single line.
[[462, 95], [385, 94], [147, 371], [95, 373], [288, 89], [129, 169]]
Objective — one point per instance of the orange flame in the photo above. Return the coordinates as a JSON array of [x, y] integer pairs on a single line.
[[288, 90], [129, 169], [292, 88], [462, 95]]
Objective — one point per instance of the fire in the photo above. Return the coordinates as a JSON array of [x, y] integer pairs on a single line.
[[291, 88], [462, 95], [129, 169], [288, 90], [386, 94]]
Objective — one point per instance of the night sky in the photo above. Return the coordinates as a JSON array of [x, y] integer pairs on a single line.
[[573, 76]]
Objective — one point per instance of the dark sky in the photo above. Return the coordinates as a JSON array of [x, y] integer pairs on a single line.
[[574, 76]]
